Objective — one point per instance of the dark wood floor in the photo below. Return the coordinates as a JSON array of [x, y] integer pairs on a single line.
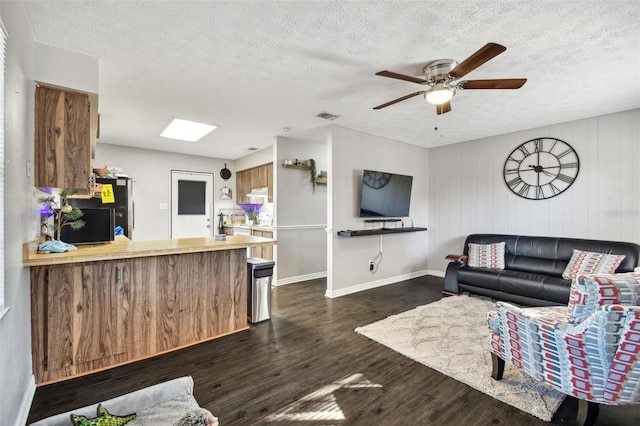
[[308, 361]]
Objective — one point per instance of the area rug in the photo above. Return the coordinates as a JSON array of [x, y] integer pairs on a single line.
[[450, 336]]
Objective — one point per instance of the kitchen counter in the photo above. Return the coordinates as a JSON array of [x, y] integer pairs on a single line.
[[105, 305], [123, 248], [263, 228]]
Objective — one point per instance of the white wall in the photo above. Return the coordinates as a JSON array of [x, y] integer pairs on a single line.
[[300, 215], [150, 171], [52, 67], [467, 193], [404, 255], [21, 224], [255, 159]]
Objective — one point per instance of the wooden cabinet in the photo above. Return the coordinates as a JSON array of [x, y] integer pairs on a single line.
[[62, 139], [95, 315], [79, 317], [256, 177], [259, 177], [265, 252], [243, 182]]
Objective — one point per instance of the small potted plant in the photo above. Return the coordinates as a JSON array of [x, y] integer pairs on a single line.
[[322, 177], [64, 214], [251, 215]]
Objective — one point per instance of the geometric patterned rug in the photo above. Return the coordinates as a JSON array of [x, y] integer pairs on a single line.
[[451, 336]]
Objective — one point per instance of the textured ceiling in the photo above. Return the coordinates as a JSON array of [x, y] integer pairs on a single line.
[[253, 68]]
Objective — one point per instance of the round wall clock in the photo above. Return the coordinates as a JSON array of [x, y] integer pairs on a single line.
[[541, 168]]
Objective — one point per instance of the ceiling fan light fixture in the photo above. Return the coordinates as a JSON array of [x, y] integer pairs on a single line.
[[440, 94]]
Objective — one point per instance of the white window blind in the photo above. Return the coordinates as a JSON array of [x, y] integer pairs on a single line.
[[3, 44]]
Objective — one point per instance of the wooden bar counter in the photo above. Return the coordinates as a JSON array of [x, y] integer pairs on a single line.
[[101, 306]]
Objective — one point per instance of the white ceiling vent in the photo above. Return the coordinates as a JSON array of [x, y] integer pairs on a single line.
[[327, 116]]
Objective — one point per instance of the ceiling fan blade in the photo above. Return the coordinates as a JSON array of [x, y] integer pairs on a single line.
[[443, 108], [395, 75], [504, 83], [486, 53], [399, 100]]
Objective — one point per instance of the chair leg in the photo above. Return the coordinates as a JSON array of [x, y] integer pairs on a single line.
[[498, 367], [587, 413]]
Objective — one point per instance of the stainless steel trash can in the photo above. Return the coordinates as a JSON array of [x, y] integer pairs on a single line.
[[260, 272]]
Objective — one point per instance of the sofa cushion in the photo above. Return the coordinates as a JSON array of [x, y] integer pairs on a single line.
[[590, 292], [165, 413], [481, 277], [135, 401], [486, 255], [535, 286], [586, 262], [537, 265]]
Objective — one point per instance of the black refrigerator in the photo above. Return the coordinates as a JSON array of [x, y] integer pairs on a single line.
[[123, 195]]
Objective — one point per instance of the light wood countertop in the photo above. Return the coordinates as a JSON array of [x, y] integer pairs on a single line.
[[264, 228], [123, 248]]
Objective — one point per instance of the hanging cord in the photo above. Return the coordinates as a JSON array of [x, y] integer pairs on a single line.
[[376, 261]]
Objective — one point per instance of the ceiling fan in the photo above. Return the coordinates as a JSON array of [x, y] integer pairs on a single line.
[[443, 78]]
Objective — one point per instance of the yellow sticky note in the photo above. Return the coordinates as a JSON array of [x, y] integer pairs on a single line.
[[107, 194]]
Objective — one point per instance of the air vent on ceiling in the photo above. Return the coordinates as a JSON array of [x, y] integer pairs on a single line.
[[327, 116]]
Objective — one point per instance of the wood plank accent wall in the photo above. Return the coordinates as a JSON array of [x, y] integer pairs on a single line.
[[467, 193], [95, 315]]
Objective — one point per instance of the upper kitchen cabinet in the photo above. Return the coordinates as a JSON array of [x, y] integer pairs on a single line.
[[243, 183], [64, 138], [256, 177]]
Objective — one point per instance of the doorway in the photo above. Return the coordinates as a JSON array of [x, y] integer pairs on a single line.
[[191, 204]]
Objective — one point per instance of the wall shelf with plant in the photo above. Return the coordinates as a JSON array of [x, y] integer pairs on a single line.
[[296, 166], [310, 165]]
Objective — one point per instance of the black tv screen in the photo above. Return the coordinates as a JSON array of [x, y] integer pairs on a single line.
[[98, 228], [385, 194]]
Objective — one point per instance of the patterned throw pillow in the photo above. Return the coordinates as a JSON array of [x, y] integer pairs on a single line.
[[486, 255], [587, 262]]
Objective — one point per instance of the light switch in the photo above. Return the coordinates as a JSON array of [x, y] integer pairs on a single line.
[[163, 206]]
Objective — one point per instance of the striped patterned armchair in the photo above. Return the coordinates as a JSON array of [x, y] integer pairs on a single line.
[[589, 349]]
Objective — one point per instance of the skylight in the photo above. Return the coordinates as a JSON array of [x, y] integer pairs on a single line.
[[186, 130]]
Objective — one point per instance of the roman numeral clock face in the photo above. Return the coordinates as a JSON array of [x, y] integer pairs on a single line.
[[541, 168]]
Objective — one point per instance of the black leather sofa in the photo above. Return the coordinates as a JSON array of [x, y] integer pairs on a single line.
[[533, 268]]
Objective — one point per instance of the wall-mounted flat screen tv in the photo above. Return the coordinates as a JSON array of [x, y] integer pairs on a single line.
[[385, 194]]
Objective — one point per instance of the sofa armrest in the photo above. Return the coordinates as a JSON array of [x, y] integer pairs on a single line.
[[457, 258], [590, 292], [451, 279], [129, 403]]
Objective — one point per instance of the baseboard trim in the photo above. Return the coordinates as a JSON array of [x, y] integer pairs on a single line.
[[300, 278], [373, 284], [27, 400], [435, 273]]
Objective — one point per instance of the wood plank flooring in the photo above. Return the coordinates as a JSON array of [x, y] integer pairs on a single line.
[[306, 366]]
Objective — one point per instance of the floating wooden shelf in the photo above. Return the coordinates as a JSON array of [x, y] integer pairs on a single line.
[[293, 166], [321, 181], [362, 232]]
